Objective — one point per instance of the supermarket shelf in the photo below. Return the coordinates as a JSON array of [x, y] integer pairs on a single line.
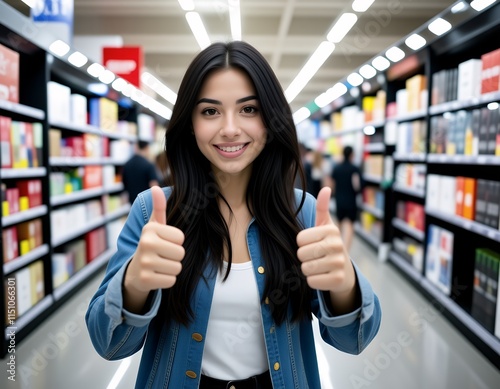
[[344, 132], [118, 187], [82, 275], [463, 104], [22, 173], [75, 161], [376, 124], [466, 224], [30, 315], [410, 157], [19, 262], [122, 211], [374, 179], [406, 267], [409, 116], [57, 241], [76, 196], [373, 210], [22, 216], [465, 318], [409, 230], [409, 191], [21, 109], [375, 147], [464, 159], [366, 235], [88, 129]]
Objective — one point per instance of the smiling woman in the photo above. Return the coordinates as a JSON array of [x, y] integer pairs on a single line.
[[218, 276]]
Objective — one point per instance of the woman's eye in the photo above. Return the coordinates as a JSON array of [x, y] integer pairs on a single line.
[[249, 110], [209, 112]]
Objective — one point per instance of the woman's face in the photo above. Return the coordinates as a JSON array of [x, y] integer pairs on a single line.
[[227, 122]]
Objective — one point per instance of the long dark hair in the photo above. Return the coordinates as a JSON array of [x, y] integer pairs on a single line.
[[193, 203]]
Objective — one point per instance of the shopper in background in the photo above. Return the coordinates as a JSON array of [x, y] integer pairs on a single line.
[[346, 184], [139, 172], [217, 277], [313, 167], [162, 169]]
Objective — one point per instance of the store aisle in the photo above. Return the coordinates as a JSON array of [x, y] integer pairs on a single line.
[[416, 347]]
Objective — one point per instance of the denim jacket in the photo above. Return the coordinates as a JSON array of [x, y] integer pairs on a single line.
[[173, 353]]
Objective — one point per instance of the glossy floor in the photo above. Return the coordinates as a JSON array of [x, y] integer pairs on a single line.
[[415, 348]]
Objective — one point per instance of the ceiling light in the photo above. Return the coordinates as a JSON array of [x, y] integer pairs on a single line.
[[198, 29], [98, 88], [493, 106], [317, 59], [458, 7], [77, 59], [301, 115], [160, 88], [186, 5], [361, 5], [479, 5], [381, 63], [235, 19], [342, 27], [160, 109], [30, 3], [367, 71], [107, 77], [95, 70], [339, 89], [439, 26], [354, 92], [119, 84], [128, 90], [415, 42], [59, 48], [395, 54], [354, 79]]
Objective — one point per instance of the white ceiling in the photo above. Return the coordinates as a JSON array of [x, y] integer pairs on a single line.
[[286, 31]]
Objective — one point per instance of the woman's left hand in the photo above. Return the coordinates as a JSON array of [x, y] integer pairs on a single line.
[[325, 261]]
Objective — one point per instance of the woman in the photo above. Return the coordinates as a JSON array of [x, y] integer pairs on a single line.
[[217, 277]]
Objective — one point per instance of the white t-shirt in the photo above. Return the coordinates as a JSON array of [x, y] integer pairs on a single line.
[[234, 344]]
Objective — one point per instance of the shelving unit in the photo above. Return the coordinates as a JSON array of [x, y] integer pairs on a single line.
[[470, 39], [38, 67]]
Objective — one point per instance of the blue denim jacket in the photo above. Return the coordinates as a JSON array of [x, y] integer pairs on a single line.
[[173, 353]]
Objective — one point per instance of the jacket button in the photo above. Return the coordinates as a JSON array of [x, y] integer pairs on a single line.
[[276, 366], [191, 374], [267, 300], [196, 336], [261, 270]]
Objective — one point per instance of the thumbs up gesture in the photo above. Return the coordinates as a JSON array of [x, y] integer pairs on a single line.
[[157, 260], [325, 261]]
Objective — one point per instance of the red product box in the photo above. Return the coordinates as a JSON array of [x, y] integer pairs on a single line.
[[9, 75], [10, 249], [92, 177], [77, 145], [13, 200], [31, 189], [6, 145]]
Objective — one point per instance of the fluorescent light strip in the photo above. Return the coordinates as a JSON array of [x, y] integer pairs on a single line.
[[186, 5], [119, 84], [395, 54], [342, 27], [120, 372], [160, 88], [361, 5], [479, 5], [301, 115], [107, 77], [367, 71], [381, 63], [30, 3], [95, 70], [235, 19], [59, 48], [77, 59], [354, 79], [339, 89], [458, 7], [317, 59], [198, 29], [415, 42], [439, 26]]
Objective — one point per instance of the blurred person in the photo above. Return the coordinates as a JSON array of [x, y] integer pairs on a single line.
[[139, 173], [162, 169], [346, 184]]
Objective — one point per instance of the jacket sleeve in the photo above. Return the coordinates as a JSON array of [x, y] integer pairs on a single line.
[[352, 332], [115, 332]]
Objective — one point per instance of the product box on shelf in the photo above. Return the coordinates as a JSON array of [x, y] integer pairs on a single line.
[[9, 74]]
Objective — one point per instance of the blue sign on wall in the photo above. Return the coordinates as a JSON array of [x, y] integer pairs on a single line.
[[55, 15]]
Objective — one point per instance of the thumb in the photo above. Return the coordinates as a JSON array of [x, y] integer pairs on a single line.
[[323, 207], [159, 214]]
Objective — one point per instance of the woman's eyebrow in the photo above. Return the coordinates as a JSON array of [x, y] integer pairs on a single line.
[[217, 102]]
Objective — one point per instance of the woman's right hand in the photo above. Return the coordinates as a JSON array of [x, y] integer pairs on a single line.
[[157, 260]]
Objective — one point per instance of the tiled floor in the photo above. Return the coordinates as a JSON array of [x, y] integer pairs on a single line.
[[415, 348]]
